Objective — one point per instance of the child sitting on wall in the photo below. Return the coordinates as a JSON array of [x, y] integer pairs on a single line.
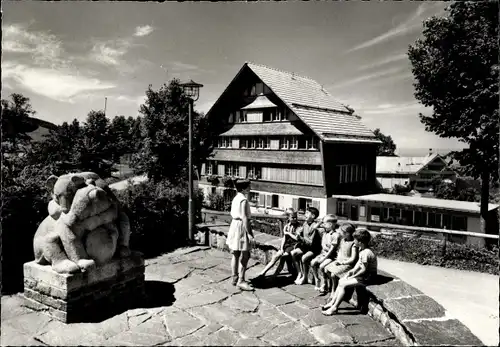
[[361, 275], [288, 243], [309, 245], [329, 242], [347, 255]]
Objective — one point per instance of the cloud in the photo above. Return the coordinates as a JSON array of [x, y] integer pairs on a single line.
[[45, 48], [136, 100], [143, 30], [396, 110], [367, 77], [109, 53], [390, 59], [61, 85], [411, 24]]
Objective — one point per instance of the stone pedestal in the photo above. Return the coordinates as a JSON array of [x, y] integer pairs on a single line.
[[86, 296]]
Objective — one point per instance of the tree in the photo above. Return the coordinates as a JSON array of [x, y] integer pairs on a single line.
[[388, 147], [120, 137], [16, 122], [455, 67], [164, 152]]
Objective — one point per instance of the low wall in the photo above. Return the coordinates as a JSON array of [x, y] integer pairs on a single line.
[[413, 317]]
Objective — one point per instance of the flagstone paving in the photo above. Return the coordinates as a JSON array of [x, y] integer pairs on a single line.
[[204, 309]]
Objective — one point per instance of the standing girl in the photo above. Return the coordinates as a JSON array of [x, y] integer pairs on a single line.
[[240, 235]]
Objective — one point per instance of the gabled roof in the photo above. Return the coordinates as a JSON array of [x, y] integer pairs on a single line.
[[317, 108], [260, 102], [404, 165]]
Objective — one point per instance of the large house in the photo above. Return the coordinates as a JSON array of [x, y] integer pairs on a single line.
[[417, 172], [291, 138]]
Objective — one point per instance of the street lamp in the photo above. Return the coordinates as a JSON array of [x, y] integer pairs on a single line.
[[192, 91]]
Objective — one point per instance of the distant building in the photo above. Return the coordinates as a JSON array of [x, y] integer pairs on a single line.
[[291, 138], [418, 172], [418, 211]]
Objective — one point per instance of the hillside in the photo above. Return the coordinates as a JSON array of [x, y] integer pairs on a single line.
[[43, 129]]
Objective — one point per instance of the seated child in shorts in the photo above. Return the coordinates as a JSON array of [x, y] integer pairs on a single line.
[[309, 245], [287, 244], [361, 275], [329, 242], [347, 255]]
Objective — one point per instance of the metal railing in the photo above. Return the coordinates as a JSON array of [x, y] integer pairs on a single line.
[[404, 228]]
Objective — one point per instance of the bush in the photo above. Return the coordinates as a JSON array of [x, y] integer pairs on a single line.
[[158, 215], [213, 179], [429, 252], [24, 206], [216, 202]]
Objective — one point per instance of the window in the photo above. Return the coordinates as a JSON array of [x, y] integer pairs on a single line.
[[284, 142], [209, 168], [254, 197], [375, 214], [252, 91], [434, 220], [259, 88], [229, 170], [446, 221], [243, 142], [302, 143], [231, 118], [268, 143], [243, 116], [220, 142], [276, 115], [254, 171], [341, 209], [420, 219], [304, 204], [275, 201], [312, 143], [229, 142], [214, 190], [260, 142], [345, 175], [267, 115], [294, 142], [408, 217], [253, 143], [362, 211], [459, 223]]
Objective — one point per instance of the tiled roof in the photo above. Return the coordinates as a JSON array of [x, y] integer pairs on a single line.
[[311, 103], [268, 156], [464, 206], [272, 128], [406, 165]]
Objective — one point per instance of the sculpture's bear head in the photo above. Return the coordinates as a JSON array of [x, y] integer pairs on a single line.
[[64, 188]]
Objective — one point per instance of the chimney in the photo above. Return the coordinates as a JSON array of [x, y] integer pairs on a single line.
[[430, 151]]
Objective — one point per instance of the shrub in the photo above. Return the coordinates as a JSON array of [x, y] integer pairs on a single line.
[[213, 179], [158, 215], [228, 181], [216, 202], [24, 206], [429, 252]]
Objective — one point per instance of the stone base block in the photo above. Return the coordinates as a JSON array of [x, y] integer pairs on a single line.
[[86, 296]]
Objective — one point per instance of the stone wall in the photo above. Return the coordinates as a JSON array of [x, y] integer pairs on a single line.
[[85, 296], [413, 317]]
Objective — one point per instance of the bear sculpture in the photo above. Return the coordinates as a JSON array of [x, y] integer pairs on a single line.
[[85, 226]]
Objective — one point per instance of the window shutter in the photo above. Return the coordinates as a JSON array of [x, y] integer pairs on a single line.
[[236, 143], [262, 200], [275, 144], [220, 170], [316, 203], [202, 169], [282, 202], [243, 171], [295, 204], [269, 200]]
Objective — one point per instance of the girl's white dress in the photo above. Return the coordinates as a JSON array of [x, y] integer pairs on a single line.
[[237, 237]]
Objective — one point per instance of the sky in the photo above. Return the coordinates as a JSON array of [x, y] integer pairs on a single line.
[[67, 57]]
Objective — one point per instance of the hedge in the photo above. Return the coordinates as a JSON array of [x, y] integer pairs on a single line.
[[430, 252]]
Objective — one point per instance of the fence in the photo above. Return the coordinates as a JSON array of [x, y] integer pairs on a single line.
[[264, 219]]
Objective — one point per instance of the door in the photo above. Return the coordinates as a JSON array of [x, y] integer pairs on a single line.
[[354, 212]]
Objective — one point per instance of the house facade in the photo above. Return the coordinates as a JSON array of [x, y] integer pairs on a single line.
[[417, 172], [291, 138]]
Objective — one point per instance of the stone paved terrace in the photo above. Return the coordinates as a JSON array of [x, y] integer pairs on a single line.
[[192, 302]]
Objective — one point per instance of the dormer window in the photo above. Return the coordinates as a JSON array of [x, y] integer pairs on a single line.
[[294, 143]]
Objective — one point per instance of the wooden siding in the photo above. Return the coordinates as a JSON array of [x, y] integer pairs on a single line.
[[305, 157], [268, 128], [305, 176], [335, 154], [288, 188]]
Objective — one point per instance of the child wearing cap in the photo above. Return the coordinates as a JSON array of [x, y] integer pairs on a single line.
[[361, 275], [309, 245], [329, 243]]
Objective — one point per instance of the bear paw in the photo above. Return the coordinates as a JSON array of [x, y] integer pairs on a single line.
[[85, 264], [65, 266], [124, 251]]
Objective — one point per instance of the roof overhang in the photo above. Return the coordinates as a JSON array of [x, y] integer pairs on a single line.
[[260, 102]]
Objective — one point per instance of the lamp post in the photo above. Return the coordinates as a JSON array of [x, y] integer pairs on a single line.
[[192, 91]]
